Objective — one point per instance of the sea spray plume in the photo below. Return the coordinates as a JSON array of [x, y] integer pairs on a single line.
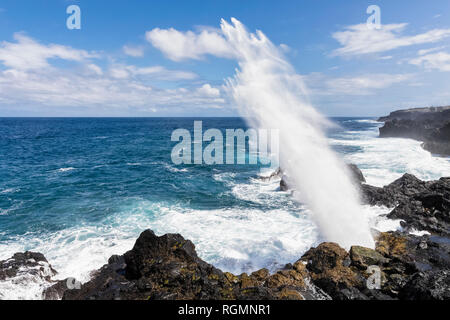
[[270, 94]]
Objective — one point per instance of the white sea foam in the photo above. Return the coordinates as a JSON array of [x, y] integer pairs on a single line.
[[239, 240], [9, 190], [175, 169], [383, 160], [65, 169], [419, 233]]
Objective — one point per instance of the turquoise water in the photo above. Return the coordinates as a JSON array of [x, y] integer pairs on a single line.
[[81, 189]]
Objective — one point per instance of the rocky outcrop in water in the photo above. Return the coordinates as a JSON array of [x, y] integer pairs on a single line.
[[31, 263], [430, 125], [25, 275], [422, 205]]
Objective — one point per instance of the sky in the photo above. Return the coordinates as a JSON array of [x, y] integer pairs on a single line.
[[169, 58]]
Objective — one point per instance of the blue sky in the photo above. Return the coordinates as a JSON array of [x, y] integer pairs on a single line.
[[124, 60]]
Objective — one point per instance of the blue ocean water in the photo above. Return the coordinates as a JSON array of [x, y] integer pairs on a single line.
[[57, 173], [81, 189]]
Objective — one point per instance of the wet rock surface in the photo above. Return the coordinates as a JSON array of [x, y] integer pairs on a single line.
[[31, 262], [430, 125], [24, 275], [422, 205]]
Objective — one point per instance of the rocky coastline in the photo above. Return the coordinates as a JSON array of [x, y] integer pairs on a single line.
[[165, 267], [429, 125]]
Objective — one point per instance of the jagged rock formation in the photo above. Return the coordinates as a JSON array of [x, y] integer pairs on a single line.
[[430, 125], [26, 273], [32, 262], [168, 267], [422, 205]]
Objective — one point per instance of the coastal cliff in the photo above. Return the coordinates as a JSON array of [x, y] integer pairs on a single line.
[[430, 125]]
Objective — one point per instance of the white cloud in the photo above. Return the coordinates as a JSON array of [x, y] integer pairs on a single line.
[[434, 61], [61, 89], [285, 48], [425, 51], [93, 68], [177, 45], [208, 91], [358, 85], [29, 79], [27, 53], [358, 39], [155, 72], [133, 51]]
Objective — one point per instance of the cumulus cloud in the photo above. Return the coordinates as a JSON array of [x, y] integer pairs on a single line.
[[208, 91], [434, 61], [358, 39], [27, 53], [29, 78], [177, 45], [133, 51], [70, 89]]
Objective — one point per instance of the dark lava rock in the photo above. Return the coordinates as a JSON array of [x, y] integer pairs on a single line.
[[329, 267], [431, 125], [33, 263], [428, 285], [168, 267], [29, 267], [356, 173], [364, 257], [56, 291], [422, 205], [283, 184], [407, 266], [400, 190]]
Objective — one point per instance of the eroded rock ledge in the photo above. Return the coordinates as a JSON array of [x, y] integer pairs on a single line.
[[429, 125], [167, 267]]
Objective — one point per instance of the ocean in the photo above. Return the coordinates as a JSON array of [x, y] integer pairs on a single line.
[[81, 189]]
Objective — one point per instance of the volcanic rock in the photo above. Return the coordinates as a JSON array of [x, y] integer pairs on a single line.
[[430, 125]]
